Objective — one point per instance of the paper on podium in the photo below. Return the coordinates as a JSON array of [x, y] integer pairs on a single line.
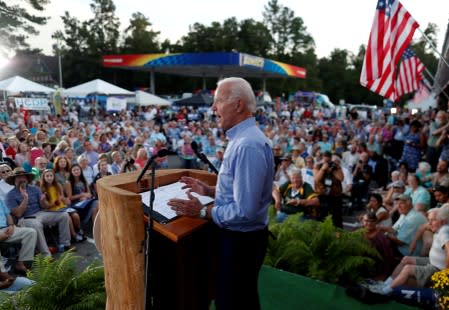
[[164, 193]]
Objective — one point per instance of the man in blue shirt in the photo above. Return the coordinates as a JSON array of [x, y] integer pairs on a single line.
[[27, 204], [242, 196]]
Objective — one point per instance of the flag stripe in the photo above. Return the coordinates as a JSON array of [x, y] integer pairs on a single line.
[[391, 32]]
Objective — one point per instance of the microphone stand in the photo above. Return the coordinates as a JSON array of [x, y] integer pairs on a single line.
[[149, 301]]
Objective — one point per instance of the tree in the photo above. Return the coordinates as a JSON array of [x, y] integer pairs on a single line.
[[92, 39], [289, 34], [138, 39], [16, 23]]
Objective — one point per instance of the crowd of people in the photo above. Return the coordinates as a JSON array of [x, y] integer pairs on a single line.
[[393, 165]]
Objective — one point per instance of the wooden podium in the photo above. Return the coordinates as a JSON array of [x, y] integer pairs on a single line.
[[181, 258]]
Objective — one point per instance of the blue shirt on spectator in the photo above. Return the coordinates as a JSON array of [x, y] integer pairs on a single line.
[[14, 198], [245, 181]]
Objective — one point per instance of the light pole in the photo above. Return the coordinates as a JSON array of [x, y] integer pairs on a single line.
[[59, 64]]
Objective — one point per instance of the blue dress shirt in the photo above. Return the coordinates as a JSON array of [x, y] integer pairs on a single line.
[[245, 180]]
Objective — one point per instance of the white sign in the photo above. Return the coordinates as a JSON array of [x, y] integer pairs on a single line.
[[115, 104], [39, 104], [250, 60]]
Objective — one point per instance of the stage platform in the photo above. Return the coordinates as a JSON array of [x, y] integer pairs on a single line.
[[281, 290]]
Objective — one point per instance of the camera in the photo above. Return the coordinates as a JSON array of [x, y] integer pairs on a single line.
[[332, 165]]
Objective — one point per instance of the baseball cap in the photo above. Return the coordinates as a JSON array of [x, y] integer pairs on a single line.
[[404, 197]]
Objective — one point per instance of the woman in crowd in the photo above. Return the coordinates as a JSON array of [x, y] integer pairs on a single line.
[[80, 196], [62, 170], [54, 195]]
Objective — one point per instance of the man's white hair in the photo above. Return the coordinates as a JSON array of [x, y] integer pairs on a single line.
[[240, 89]]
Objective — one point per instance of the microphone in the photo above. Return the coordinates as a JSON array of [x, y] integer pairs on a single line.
[[202, 157], [160, 153]]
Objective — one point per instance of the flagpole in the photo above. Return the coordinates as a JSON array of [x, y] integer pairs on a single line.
[[433, 47]]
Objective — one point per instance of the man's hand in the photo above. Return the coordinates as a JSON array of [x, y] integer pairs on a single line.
[[9, 230], [189, 207], [23, 190], [196, 186]]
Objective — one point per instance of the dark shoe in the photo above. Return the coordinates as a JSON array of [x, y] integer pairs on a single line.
[[21, 272]]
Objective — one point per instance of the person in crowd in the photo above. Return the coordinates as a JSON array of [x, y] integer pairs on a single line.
[[80, 196], [41, 164], [362, 176], [88, 171], [441, 175], [142, 157], [10, 233], [13, 147], [187, 154], [90, 153], [419, 194], [375, 205], [441, 195], [104, 146], [5, 171], [295, 196], [376, 237], [23, 156], [403, 230], [27, 204], [241, 204], [413, 144], [58, 202], [117, 161], [424, 174], [218, 160], [161, 162], [425, 235], [62, 170], [307, 171], [328, 184], [284, 170], [102, 172], [414, 271]]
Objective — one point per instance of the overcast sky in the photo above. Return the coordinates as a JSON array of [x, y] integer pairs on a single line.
[[343, 24]]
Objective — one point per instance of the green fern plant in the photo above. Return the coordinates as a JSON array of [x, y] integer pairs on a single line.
[[319, 250], [59, 286]]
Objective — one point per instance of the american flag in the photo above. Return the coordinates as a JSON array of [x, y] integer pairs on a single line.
[[392, 30], [410, 73]]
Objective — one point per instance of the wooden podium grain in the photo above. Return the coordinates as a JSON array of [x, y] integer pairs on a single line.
[[181, 248]]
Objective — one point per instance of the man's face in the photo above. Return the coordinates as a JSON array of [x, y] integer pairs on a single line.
[[5, 171], [442, 166], [434, 222], [296, 180], [20, 179], [404, 206], [223, 108], [440, 196]]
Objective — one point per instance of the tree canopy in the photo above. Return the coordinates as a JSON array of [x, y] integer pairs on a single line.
[[17, 23]]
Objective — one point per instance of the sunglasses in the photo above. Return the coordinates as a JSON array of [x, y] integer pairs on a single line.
[[5, 171]]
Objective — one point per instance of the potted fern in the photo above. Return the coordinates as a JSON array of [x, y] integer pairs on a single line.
[[60, 286], [319, 250]]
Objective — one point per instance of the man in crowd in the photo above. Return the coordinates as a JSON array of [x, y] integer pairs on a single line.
[[27, 204], [416, 271], [242, 196], [403, 230], [295, 196]]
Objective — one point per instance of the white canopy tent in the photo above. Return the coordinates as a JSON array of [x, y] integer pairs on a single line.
[[19, 84], [96, 87], [145, 99]]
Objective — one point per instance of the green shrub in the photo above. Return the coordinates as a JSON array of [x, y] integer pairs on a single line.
[[59, 286], [319, 250]]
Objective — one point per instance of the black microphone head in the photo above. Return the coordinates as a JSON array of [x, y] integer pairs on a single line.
[[194, 146], [163, 153]]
